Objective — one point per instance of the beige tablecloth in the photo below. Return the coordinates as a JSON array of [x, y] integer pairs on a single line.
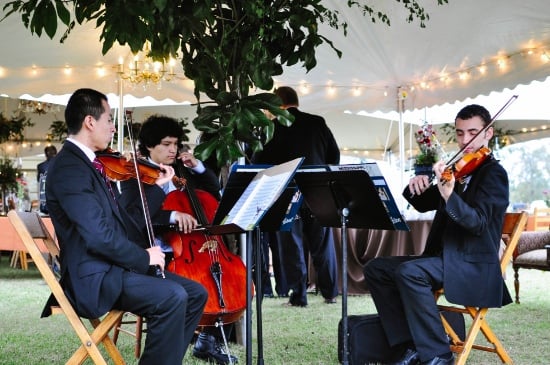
[[365, 244]]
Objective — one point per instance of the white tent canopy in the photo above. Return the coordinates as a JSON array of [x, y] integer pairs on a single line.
[[434, 65], [422, 66], [376, 59]]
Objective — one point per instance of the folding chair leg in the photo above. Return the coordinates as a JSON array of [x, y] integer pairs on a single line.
[[14, 258], [23, 260], [100, 334], [479, 323], [498, 347]]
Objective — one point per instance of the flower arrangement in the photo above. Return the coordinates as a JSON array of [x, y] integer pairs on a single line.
[[428, 144]]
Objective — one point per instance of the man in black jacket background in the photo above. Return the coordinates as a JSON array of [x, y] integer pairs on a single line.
[[308, 137]]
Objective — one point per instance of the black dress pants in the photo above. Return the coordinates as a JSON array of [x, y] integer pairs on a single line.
[[307, 232], [172, 307], [402, 290]]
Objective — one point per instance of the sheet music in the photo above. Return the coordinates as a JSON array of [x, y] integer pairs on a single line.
[[260, 195]]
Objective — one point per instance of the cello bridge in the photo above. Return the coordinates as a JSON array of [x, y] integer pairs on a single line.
[[210, 245]]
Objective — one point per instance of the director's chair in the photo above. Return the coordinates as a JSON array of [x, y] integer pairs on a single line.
[[30, 227], [514, 224]]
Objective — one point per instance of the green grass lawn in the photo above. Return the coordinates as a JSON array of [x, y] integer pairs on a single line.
[[290, 335]]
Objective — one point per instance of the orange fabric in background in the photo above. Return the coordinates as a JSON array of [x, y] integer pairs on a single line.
[[10, 241]]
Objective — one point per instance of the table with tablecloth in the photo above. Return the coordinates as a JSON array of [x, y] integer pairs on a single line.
[[365, 244], [9, 239]]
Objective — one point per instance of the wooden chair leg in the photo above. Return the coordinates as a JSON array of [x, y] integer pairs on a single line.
[[23, 260], [137, 334], [14, 259], [516, 283], [100, 334]]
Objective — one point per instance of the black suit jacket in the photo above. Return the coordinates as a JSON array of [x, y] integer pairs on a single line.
[[94, 234], [468, 231], [308, 137]]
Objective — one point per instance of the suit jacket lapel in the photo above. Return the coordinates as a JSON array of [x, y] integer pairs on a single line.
[[80, 154]]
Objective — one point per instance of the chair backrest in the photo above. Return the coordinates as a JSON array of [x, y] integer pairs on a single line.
[[541, 219], [514, 224], [30, 228]]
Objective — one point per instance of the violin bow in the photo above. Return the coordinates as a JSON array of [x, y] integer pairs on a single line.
[[146, 213], [489, 125]]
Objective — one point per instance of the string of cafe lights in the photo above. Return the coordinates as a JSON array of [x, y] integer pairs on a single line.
[[143, 70], [500, 63]]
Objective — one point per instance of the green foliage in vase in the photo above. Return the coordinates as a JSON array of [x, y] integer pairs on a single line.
[[12, 129], [8, 174], [57, 131]]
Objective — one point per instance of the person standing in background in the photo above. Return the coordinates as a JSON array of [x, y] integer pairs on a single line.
[[41, 170], [308, 137]]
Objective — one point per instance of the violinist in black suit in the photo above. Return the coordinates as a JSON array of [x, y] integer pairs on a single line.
[[104, 262], [308, 137], [160, 142], [461, 254]]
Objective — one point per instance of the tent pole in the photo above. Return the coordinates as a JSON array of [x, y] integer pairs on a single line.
[[120, 126], [401, 95]]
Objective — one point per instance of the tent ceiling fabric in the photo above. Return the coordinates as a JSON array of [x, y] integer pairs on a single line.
[[37, 66], [376, 58]]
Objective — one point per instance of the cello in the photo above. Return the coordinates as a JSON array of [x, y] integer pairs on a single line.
[[205, 258]]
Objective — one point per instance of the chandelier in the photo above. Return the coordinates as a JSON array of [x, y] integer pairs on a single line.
[[37, 107], [145, 70]]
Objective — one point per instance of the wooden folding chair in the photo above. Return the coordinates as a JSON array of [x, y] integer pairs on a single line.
[[30, 227], [514, 224]]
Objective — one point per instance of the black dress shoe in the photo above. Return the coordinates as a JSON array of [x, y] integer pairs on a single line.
[[410, 357], [440, 361], [290, 304], [208, 348]]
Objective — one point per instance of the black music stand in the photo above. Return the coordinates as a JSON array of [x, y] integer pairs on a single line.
[[345, 199], [270, 218]]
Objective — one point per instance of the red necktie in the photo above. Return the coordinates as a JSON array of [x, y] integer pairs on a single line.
[[101, 169]]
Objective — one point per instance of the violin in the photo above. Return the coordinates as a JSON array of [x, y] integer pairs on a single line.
[[469, 162], [466, 165], [120, 168]]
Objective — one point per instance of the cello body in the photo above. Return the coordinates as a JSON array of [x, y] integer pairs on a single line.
[[206, 259]]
